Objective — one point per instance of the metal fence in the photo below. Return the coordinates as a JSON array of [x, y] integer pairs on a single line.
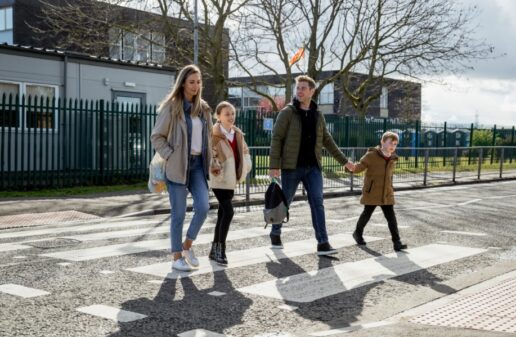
[[49, 143], [415, 168], [55, 143]]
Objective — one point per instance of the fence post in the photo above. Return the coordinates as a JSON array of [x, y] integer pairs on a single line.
[[501, 161], [248, 191], [425, 173], [454, 164], [480, 159], [417, 143], [471, 130], [494, 144], [346, 142], [445, 142], [101, 140], [352, 174], [512, 143]]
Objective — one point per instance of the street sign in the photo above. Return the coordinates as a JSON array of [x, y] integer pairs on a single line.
[[267, 124]]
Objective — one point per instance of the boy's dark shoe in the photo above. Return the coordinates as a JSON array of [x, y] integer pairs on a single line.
[[398, 246], [325, 249], [359, 239], [276, 242]]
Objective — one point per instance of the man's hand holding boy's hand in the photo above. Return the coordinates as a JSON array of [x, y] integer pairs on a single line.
[[350, 166]]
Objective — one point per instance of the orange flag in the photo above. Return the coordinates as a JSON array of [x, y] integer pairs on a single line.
[[297, 56]]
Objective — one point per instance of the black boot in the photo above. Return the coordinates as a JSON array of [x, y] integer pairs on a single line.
[[359, 239], [221, 254], [213, 251], [398, 246]]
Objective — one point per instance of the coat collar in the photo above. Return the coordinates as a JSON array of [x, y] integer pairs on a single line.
[[218, 133], [378, 151]]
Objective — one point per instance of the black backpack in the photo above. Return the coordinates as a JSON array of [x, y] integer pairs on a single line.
[[276, 209]]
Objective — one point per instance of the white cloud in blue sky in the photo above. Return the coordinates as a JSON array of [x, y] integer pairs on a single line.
[[490, 89]]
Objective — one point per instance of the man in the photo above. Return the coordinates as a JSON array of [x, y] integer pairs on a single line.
[[298, 138]]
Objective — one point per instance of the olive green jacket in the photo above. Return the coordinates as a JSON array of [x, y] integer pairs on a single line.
[[377, 188], [286, 139]]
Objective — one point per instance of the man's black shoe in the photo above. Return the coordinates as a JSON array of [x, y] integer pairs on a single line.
[[359, 239], [398, 246], [276, 242], [325, 249]]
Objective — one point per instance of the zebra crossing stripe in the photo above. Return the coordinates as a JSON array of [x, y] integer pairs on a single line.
[[76, 228], [21, 291], [6, 247], [145, 246], [112, 313], [317, 284], [127, 233], [248, 257]]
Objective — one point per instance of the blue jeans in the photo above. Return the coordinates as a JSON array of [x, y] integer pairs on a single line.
[[312, 180], [177, 194]]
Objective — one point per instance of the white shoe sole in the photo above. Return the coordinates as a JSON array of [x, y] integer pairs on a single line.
[[276, 247], [331, 252]]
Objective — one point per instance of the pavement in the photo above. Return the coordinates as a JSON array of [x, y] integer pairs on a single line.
[[75, 273]]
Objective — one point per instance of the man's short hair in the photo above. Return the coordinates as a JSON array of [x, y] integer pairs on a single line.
[[390, 135], [308, 79]]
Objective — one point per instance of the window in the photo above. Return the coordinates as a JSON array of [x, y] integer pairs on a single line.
[[145, 46], [326, 95], [37, 114], [40, 115], [9, 117], [115, 43], [6, 19], [158, 48]]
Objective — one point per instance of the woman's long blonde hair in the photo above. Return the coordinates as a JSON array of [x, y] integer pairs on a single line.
[[175, 98]]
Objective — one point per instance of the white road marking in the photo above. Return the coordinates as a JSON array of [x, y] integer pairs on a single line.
[[145, 246], [6, 247], [200, 333], [311, 286], [76, 228], [464, 233], [248, 257], [111, 313], [21, 291], [469, 202]]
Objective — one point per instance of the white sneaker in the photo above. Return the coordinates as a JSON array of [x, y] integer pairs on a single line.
[[181, 265], [189, 256]]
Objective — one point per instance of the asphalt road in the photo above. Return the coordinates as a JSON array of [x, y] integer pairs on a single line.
[[458, 237]]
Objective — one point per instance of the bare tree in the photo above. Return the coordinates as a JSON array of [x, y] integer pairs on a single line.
[[377, 38], [84, 25], [270, 31]]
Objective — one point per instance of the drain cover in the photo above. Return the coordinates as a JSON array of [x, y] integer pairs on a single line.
[[493, 309], [54, 243]]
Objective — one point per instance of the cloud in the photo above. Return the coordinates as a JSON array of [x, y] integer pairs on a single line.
[[461, 100], [497, 27]]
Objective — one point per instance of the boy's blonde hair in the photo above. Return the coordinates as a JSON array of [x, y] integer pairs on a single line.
[[222, 105], [390, 135]]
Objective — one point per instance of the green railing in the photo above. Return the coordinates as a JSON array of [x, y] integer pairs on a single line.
[[56, 143]]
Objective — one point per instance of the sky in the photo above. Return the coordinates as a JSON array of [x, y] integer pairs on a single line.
[[488, 92]]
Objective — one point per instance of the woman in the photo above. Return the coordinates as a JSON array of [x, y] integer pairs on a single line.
[[182, 136], [230, 164]]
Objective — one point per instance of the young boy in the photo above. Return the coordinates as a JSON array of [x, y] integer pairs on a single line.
[[379, 163]]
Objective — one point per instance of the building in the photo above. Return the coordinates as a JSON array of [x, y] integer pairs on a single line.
[[105, 30], [398, 99], [64, 74], [80, 128]]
